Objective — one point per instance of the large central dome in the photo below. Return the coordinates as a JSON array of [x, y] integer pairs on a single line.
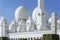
[[21, 13]]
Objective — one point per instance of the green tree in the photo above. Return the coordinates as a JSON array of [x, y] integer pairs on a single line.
[[50, 37]]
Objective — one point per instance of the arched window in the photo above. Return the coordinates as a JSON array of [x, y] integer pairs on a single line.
[[42, 13], [38, 14]]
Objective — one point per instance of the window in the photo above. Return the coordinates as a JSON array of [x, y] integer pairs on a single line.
[[42, 13], [24, 19], [39, 14]]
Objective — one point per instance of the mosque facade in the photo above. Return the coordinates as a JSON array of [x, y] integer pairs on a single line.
[[24, 26]]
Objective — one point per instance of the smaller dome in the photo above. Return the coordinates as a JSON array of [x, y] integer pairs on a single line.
[[2, 19], [39, 12], [21, 12], [34, 14]]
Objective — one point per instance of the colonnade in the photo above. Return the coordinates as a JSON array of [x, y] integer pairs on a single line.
[[25, 38]]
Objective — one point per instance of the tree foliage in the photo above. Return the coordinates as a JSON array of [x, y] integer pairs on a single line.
[[50, 37]]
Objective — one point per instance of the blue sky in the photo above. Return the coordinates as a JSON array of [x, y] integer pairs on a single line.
[[8, 7]]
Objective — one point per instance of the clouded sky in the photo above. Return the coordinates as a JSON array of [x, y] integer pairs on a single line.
[[8, 7]]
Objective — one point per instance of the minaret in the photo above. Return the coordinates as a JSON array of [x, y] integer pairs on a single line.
[[41, 3], [54, 23], [3, 29], [40, 16]]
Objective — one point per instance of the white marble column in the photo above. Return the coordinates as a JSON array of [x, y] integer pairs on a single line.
[[10, 38], [32, 38], [17, 38], [27, 38]]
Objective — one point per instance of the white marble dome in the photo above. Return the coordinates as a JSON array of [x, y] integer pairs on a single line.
[[36, 12], [21, 13]]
